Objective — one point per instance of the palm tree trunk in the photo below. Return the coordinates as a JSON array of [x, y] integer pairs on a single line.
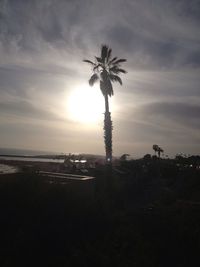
[[108, 132], [106, 103]]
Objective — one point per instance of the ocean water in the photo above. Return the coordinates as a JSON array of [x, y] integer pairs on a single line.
[[13, 153], [24, 152], [5, 169], [32, 159]]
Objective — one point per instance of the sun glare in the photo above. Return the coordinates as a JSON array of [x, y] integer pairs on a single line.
[[85, 104]]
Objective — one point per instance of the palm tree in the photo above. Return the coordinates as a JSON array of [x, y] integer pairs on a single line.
[[160, 150], [124, 157], [155, 148], [106, 70]]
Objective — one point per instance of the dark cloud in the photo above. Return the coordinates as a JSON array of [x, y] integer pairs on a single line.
[[181, 113], [18, 81], [167, 84], [123, 36], [188, 9], [193, 59], [25, 109], [141, 131], [167, 53], [141, 28], [52, 32]]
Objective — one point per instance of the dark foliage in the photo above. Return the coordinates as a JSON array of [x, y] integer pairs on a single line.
[[149, 217]]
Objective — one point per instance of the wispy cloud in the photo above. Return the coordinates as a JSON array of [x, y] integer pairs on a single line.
[[42, 44]]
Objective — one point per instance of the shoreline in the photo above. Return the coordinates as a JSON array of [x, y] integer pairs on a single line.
[[32, 165]]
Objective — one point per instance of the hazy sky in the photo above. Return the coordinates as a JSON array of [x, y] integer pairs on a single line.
[[42, 45]]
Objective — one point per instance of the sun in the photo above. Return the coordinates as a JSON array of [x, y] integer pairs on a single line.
[[85, 104]]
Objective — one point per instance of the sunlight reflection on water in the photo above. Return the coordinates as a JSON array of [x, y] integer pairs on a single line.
[[32, 159], [5, 169]]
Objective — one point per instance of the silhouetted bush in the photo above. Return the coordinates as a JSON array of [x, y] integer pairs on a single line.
[[151, 218]]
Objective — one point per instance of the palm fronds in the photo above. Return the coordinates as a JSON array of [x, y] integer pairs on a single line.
[[93, 79], [106, 69], [115, 78], [88, 61], [119, 61], [116, 70]]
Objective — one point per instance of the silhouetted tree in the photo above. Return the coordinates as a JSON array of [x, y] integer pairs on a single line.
[[147, 157], [124, 157], [158, 149], [155, 148], [106, 70]]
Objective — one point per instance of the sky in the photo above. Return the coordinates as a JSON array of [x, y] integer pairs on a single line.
[[44, 92]]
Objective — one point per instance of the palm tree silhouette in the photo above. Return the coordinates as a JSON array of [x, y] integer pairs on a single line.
[[155, 148], [106, 70], [124, 157], [158, 149]]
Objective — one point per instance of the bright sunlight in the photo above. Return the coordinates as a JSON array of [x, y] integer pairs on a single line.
[[86, 104]]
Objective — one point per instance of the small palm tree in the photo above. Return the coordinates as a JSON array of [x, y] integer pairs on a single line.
[[106, 70], [124, 157], [160, 150], [155, 148]]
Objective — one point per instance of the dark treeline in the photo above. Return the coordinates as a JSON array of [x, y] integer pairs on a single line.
[[142, 213]]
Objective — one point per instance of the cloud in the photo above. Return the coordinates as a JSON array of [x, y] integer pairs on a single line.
[[163, 34], [42, 44], [27, 110], [181, 113]]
